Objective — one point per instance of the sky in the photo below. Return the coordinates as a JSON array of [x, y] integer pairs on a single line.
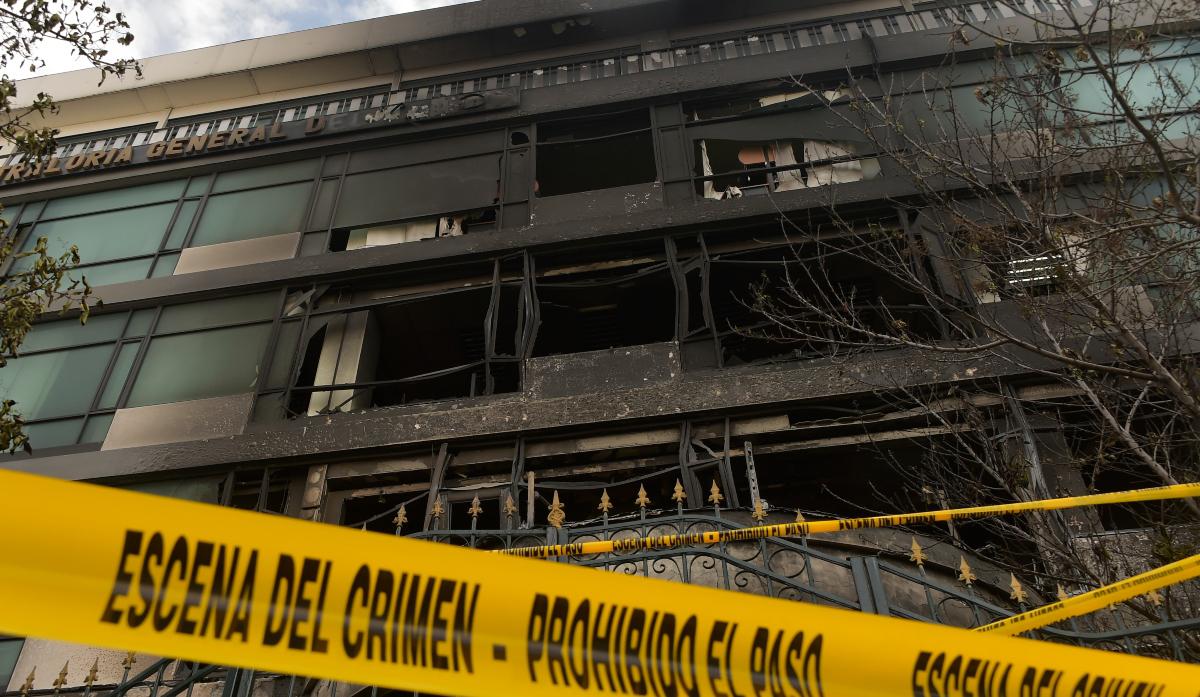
[[166, 26]]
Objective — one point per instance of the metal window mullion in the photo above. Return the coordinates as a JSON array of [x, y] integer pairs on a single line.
[[706, 269], [268, 359], [187, 239], [297, 355], [337, 198], [490, 325], [679, 278], [108, 370], [136, 368], [19, 240]]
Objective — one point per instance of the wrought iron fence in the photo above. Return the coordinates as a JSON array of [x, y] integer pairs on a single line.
[[827, 572]]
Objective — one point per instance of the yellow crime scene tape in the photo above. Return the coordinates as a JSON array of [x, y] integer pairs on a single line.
[[636, 544], [230, 587], [1166, 575]]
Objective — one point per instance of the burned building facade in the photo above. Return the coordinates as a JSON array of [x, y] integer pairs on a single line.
[[487, 275]]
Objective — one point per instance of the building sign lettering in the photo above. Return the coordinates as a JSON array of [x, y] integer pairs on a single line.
[[238, 138]]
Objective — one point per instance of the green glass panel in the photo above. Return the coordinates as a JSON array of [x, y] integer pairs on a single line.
[[120, 371], [198, 186], [202, 489], [214, 313], [116, 272], [51, 434], [263, 176], [199, 365], [53, 384], [32, 211], [285, 349], [139, 323], [323, 208], [107, 236], [165, 266], [96, 428], [249, 214], [69, 332], [183, 221], [10, 649], [9, 213], [110, 200]]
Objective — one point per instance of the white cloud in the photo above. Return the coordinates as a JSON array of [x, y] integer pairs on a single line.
[[166, 27]]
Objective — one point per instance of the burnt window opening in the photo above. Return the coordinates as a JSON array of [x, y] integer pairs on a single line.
[[1108, 465], [581, 477], [746, 288], [260, 490], [416, 349], [377, 512], [480, 220], [593, 153], [753, 105], [605, 309], [736, 168]]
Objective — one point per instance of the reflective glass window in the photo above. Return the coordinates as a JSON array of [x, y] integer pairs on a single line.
[[249, 214], [264, 176], [200, 364], [105, 236], [57, 383], [116, 198], [69, 332], [214, 313]]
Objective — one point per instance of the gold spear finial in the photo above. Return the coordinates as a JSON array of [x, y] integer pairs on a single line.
[[438, 509], [61, 680], [510, 506], [964, 571], [714, 496], [401, 517], [605, 503], [1062, 594], [93, 674], [1018, 593], [1154, 598], [679, 496], [130, 659], [475, 508], [28, 684], [917, 555], [759, 514], [799, 516], [642, 500], [557, 515]]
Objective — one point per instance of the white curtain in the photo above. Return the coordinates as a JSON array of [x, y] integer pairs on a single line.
[[710, 191], [393, 234], [791, 179], [839, 173]]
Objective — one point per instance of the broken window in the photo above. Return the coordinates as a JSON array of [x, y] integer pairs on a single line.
[[602, 305], [776, 142], [735, 168], [596, 152], [400, 345], [483, 220], [759, 294], [748, 105]]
